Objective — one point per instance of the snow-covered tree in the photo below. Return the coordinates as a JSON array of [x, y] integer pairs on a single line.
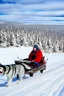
[[49, 38]]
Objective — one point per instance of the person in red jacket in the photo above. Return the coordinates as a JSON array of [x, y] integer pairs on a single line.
[[36, 55]]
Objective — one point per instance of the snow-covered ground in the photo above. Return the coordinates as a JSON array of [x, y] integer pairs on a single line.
[[48, 83]]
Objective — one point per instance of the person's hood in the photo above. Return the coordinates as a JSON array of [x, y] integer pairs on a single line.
[[36, 46]]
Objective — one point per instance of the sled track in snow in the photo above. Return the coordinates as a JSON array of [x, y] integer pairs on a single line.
[[45, 84]]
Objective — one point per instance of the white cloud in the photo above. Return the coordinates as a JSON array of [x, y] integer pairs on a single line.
[[33, 12]]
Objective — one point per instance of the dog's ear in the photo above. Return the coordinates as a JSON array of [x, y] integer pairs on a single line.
[[0, 64]]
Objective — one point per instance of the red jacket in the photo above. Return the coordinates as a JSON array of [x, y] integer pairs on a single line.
[[36, 56]]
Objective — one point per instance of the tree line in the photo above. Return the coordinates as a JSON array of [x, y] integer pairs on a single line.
[[50, 38]]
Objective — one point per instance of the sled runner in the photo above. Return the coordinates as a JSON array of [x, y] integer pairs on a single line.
[[32, 68]]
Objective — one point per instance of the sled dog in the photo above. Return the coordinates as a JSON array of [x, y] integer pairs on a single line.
[[11, 70]]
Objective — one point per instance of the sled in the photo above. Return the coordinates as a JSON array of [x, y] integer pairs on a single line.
[[33, 68]]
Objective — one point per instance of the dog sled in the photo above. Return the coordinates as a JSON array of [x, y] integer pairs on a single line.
[[20, 68], [32, 68]]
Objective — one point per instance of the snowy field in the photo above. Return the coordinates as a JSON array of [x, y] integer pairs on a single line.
[[48, 83]]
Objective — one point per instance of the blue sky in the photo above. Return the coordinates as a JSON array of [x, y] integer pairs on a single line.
[[32, 11]]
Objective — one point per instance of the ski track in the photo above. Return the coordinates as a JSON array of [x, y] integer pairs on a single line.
[[48, 83]]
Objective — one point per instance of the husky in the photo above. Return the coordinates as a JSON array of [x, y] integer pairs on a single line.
[[11, 70]]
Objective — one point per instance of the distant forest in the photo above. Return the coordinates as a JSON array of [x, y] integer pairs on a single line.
[[50, 38]]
